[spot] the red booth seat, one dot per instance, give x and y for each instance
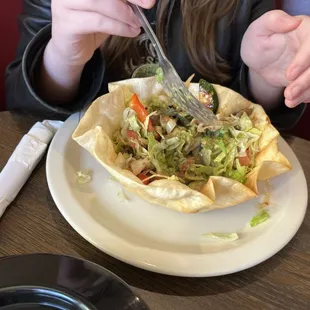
(9, 36)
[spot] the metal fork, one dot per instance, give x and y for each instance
(172, 83)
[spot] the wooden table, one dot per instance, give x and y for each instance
(33, 224)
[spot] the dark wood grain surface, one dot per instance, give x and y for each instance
(33, 224)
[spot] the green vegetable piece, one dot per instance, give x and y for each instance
(222, 146)
(184, 119)
(84, 176)
(196, 185)
(217, 133)
(198, 172)
(237, 176)
(159, 75)
(208, 95)
(146, 70)
(261, 217)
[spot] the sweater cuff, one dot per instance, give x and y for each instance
(91, 79)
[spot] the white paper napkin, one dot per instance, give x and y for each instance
(24, 159)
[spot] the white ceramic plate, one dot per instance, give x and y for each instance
(165, 241)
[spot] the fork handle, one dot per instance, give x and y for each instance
(148, 29)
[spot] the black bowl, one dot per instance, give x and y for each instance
(46, 281)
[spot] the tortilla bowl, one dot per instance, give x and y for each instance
(103, 118)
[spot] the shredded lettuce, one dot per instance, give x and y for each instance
(230, 158)
(138, 165)
(112, 178)
(218, 159)
(239, 174)
(157, 156)
(133, 123)
(123, 196)
(167, 123)
(255, 131)
(235, 175)
(206, 156)
(222, 146)
(146, 123)
(259, 218)
(245, 122)
(84, 176)
(159, 104)
(177, 145)
(151, 141)
(227, 237)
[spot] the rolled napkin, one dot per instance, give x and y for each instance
(24, 159)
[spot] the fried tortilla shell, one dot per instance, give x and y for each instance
(103, 118)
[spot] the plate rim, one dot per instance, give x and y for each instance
(144, 264)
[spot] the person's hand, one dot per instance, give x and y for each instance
(79, 27)
(298, 73)
(277, 47)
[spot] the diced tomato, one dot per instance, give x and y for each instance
(138, 107)
(154, 179)
(186, 165)
(143, 177)
(132, 134)
(180, 174)
(155, 133)
(150, 127)
(155, 119)
(166, 118)
(245, 160)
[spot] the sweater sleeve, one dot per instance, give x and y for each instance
(35, 33)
